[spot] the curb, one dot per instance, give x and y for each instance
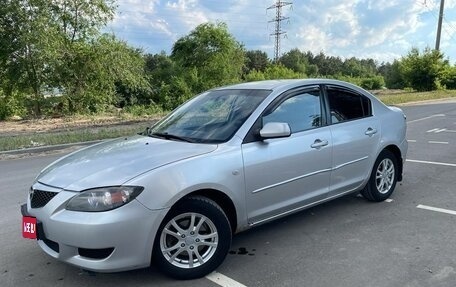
(428, 102)
(48, 148)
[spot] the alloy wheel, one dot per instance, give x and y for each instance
(385, 175)
(189, 240)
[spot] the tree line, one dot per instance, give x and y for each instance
(55, 60)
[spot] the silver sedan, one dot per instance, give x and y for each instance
(227, 160)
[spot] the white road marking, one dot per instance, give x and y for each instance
(436, 130)
(411, 141)
(435, 142)
(222, 280)
(432, 162)
(447, 211)
(422, 119)
(389, 200)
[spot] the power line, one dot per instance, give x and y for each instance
(278, 23)
(450, 34)
(451, 25)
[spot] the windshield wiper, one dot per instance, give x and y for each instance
(170, 136)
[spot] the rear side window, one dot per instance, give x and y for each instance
(347, 106)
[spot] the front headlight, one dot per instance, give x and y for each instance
(104, 198)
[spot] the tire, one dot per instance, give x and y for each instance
(186, 247)
(383, 178)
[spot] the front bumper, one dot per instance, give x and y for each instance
(115, 240)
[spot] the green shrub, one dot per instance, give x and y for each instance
(273, 72)
(368, 83)
(448, 78)
(143, 110)
(421, 70)
(12, 106)
(373, 83)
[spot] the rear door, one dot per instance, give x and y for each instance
(286, 173)
(355, 135)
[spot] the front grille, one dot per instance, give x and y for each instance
(39, 198)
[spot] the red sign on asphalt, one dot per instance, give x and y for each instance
(29, 227)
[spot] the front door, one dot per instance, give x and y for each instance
(284, 174)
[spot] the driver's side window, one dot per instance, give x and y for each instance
(301, 112)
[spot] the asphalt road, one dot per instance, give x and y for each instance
(346, 242)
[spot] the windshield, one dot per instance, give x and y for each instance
(212, 117)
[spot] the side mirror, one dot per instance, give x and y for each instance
(274, 130)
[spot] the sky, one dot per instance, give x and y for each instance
(380, 29)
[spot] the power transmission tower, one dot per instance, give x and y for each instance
(439, 26)
(278, 23)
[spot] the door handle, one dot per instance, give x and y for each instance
(370, 132)
(318, 143)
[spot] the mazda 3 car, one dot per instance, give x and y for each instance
(227, 160)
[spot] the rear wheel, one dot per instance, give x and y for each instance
(383, 177)
(193, 239)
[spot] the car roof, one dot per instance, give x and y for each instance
(286, 84)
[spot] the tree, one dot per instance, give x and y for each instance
(421, 71)
(327, 66)
(392, 75)
(104, 72)
(312, 70)
(57, 46)
(352, 67)
(273, 72)
(80, 20)
(295, 60)
(213, 53)
(157, 62)
(373, 82)
(28, 41)
(370, 66)
(88, 84)
(256, 60)
(448, 77)
(169, 82)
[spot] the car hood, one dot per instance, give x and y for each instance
(115, 162)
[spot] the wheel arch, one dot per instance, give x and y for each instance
(223, 200)
(397, 153)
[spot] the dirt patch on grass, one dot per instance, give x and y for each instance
(24, 134)
(21, 127)
(39, 153)
(384, 92)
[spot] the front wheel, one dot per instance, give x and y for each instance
(193, 239)
(383, 178)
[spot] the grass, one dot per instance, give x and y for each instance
(29, 139)
(55, 138)
(403, 97)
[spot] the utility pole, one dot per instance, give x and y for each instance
(278, 23)
(439, 26)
